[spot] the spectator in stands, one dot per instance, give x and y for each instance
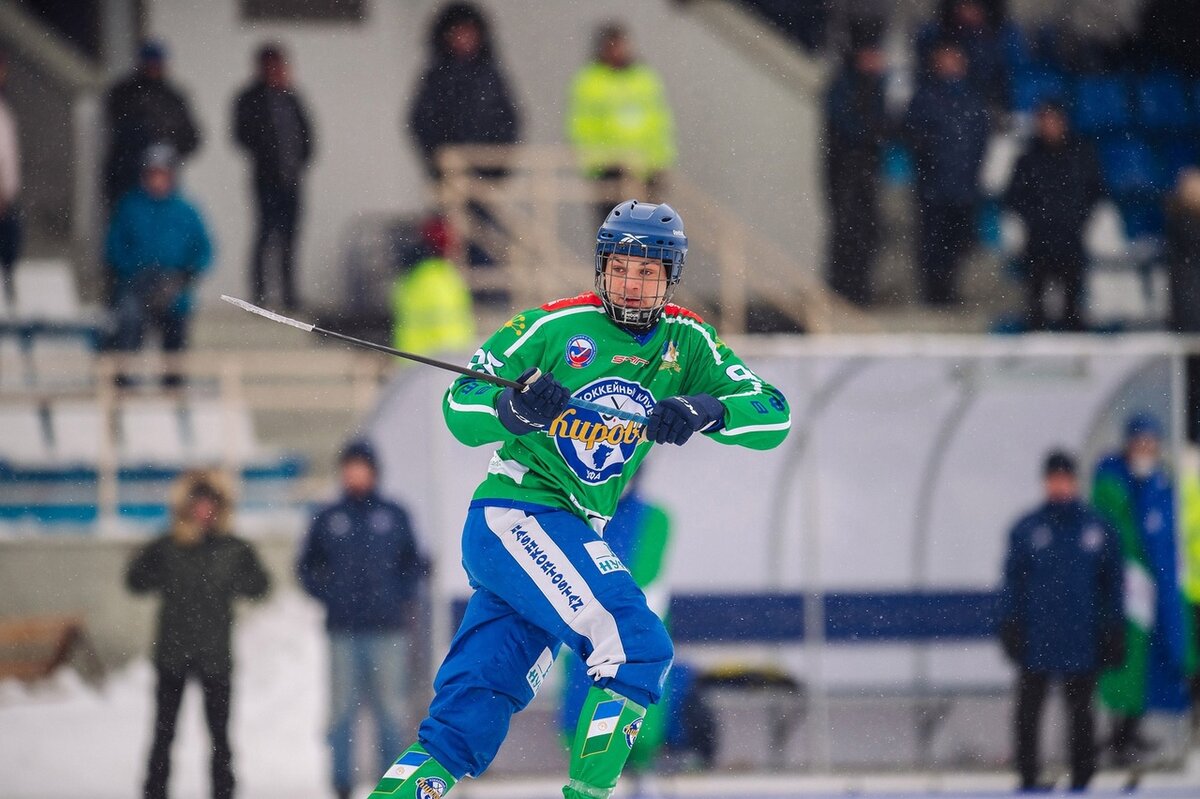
(1053, 189)
(142, 110)
(10, 185)
(856, 125)
(157, 245)
(1060, 616)
(1189, 499)
(1183, 264)
(432, 310)
(271, 124)
(360, 560)
(1133, 491)
(947, 129)
(619, 120)
(198, 568)
(463, 96)
(991, 45)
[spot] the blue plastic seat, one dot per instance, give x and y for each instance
(1101, 105)
(1130, 168)
(1162, 103)
(1033, 86)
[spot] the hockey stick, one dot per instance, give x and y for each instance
(574, 402)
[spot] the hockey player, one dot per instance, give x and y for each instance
(533, 544)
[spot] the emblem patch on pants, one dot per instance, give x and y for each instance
(431, 788)
(603, 727)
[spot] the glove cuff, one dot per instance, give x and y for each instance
(513, 421)
(711, 407)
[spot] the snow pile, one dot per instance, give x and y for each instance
(62, 738)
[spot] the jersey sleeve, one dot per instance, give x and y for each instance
(756, 413)
(470, 403)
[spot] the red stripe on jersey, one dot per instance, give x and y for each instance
(587, 298)
(678, 310)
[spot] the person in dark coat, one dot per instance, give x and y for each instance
(463, 97)
(272, 125)
(141, 110)
(1183, 264)
(198, 568)
(856, 125)
(1053, 189)
(947, 129)
(991, 44)
(1061, 616)
(361, 561)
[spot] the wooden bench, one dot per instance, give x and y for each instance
(32, 647)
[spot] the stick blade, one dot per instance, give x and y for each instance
(263, 312)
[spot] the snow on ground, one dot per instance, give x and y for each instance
(62, 738)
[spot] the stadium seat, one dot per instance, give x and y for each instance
(1130, 167)
(151, 433)
(61, 361)
(77, 429)
(1030, 87)
(1178, 154)
(1101, 105)
(1162, 103)
(220, 431)
(46, 292)
(22, 440)
(12, 363)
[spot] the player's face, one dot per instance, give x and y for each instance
(635, 282)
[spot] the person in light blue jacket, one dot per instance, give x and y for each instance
(157, 246)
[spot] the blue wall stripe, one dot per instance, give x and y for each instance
(876, 617)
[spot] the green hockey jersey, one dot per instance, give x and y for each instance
(583, 460)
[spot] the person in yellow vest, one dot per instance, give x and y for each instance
(432, 310)
(619, 119)
(1189, 486)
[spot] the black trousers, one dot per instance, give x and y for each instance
(945, 234)
(10, 249)
(168, 695)
(278, 218)
(1032, 687)
(1064, 269)
(854, 234)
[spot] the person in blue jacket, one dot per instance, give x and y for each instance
(157, 246)
(1060, 615)
(361, 561)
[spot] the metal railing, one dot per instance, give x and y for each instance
(513, 203)
(270, 381)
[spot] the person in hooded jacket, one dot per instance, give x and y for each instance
(360, 560)
(463, 96)
(1060, 616)
(198, 568)
(1135, 493)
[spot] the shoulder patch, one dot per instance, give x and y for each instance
(678, 310)
(587, 298)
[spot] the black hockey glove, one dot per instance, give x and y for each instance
(534, 407)
(675, 419)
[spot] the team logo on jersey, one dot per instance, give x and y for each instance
(670, 357)
(594, 445)
(516, 324)
(431, 788)
(631, 732)
(633, 359)
(581, 351)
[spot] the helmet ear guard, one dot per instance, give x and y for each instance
(641, 230)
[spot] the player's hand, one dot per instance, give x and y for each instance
(534, 407)
(675, 419)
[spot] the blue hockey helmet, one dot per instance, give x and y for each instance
(641, 230)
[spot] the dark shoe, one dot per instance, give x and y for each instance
(342, 793)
